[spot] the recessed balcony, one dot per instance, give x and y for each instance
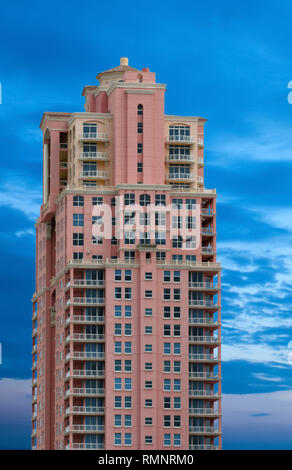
(85, 355)
(202, 303)
(204, 339)
(87, 410)
(203, 357)
(85, 283)
(208, 250)
(202, 286)
(181, 177)
(102, 156)
(84, 337)
(84, 373)
(84, 428)
(85, 301)
(180, 158)
(93, 136)
(203, 375)
(85, 446)
(94, 174)
(204, 411)
(204, 394)
(82, 319)
(85, 391)
(203, 430)
(180, 139)
(203, 321)
(203, 447)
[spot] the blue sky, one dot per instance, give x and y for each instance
(230, 63)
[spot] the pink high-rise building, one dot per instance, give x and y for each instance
(126, 317)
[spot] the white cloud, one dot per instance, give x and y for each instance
(17, 196)
(15, 402)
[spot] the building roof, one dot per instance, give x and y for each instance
(123, 67)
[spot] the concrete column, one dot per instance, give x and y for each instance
(46, 173)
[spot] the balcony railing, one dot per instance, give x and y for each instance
(208, 250)
(85, 391)
(86, 446)
(82, 319)
(181, 158)
(180, 139)
(203, 393)
(208, 211)
(200, 141)
(84, 337)
(203, 411)
(94, 136)
(94, 156)
(85, 410)
(203, 339)
(203, 447)
(203, 375)
(85, 283)
(85, 428)
(202, 303)
(202, 357)
(203, 321)
(180, 176)
(203, 430)
(84, 373)
(86, 301)
(85, 355)
(94, 174)
(202, 285)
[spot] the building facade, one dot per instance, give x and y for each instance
(126, 311)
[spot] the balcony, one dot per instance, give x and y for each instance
(203, 339)
(204, 394)
(203, 447)
(181, 177)
(200, 179)
(83, 373)
(203, 285)
(85, 355)
(93, 136)
(200, 142)
(85, 392)
(102, 156)
(208, 211)
(82, 319)
(208, 250)
(203, 411)
(207, 231)
(85, 301)
(204, 375)
(200, 161)
(85, 283)
(180, 158)
(80, 410)
(203, 357)
(84, 337)
(202, 303)
(180, 139)
(203, 430)
(94, 174)
(86, 446)
(84, 428)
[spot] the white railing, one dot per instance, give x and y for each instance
(208, 211)
(180, 138)
(203, 339)
(203, 264)
(191, 190)
(200, 141)
(203, 429)
(202, 285)
(180, 176)
(85, 373)
(203, 411)
(200, 161)
(207, 249)
(85, 428)
(84, 410)
(203, 447)
(200, 321)
(202, 357)
(93, 136)
(85, 355)
(203, 375)
(94, 174)
(181, 157)
(84, 319)
(202, 303)
(84, 337)
(87, 446)
(86, 391)
(203, 393)
(85, 283)
(93, 156)
(86, 301)
(107, 261)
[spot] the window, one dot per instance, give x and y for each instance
(176, 294)
(179, 133)
(166, 312)
(118, 347)
(144, 218)
(78, 201)
(177, 242)
(148, 403)
(191, 221)
(128, 421)
(78, 239)
(148, 348)
(191, 258)
(160, 256)
(128, 293)
(176, 421)
(118, 439)
(128, 438)
(118, 402)
(129, 198)
(160, 238)
(129, 255)
(144, 238)
(118, 420)
(166, 385)
(176, 367)
(166, 276)
(166, 440)
(148, 294)
(191, 204)
(148, 366)
(89, 129)
(166, 294)
(144, 200)
(118, 274)
(176, 221)
(148, 439)
(128, 383)
(128, 311)
(177, 204)
(176, 348)
(166, 330)
(78, 220)
(128, 275)
(118, 365)
(139, 167)
(128, 329)
(118, 384)
(148, 421)
(118, 310)
(177, 403)
(118, 293)
(129, 218)
(160, 218)
(97, 240)
(139, 148)
(166, 403)
(113, 201)
(97, 201)
(166, 367)
(148, 276)
(77, 255)
(118, 329)
(148, 312)
(176, 440)
(140, 127)
(176, 330)
(128, 365)
(128, 402)
(129, 238)
(191, 242)
(140, 109)
(160, 200)
(128, 347)
(148, 384)
(166, 348)
(177, 385)
(176, 312)
(176, 276)
(148, 330)
(166, 421)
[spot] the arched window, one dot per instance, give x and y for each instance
(140, 109)
(89, 129)
(140, 78)
(179, 133)
(144, 200)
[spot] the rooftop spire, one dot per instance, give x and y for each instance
(124, 61)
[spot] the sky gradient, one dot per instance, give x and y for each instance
(226, 62)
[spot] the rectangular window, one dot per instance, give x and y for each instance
(128, 435)
(97, 201)
(176, 294)
(176, 440)
(139, 167)
(128, 275)
(148, 312)
(78, 220)
(166, 276)
(97, 240)
(128, 293)
(118, 293)
(128, 383)
(166, 348)
(139, 127)
(78, 239)
(128, 347)
(118, 402)
(118, 311)
(128, 311)
(148, 403)
(166, 312)
(148, 348)
(128, 365)
(176, 330)
(129, 218)
(148, 384)
(129, 199)
(177, 403)
(148, 294)
(177, 204)
(148, 421)
(78, 201)
(128, 402)
(118, 329)
(128, 421)
(148, 366)
(160, 238)
(77, 255)
(166, 439)
(166, 367)
(148, 440)
(118, 365)
(128, 329)
(176, 348)
(191, 221)
(191, 204)
(139, 148)
(176, 312)
(166, 294)
(176, 367)
(160, 200)
(118, 383)
(176, 421)
(160, 218)
(160, 256)
(118, 439)
(166, 330)
(166, 403)
(118, 347)
(148, 330)
(118, 275)
(166, 421)
(148, 276)
(177, 385)
(176, 276)
(166, 385)
(118, 420)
